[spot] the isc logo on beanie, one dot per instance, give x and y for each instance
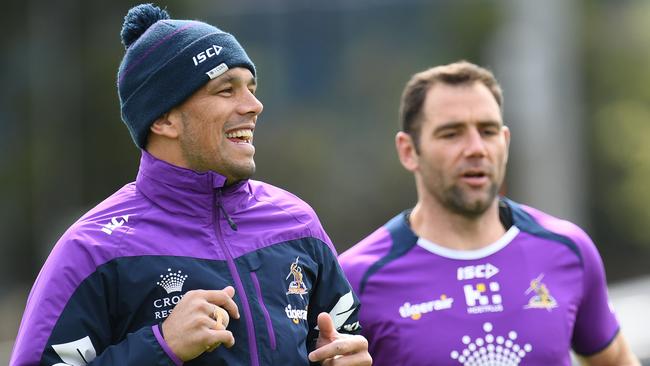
(210, 52)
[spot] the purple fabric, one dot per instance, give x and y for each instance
(424, 308)
(165, 346)
(250, 327)
(267, 316)
(149, 213)
(362, 256)
(595, 323)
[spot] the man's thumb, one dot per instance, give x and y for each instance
(326, 325)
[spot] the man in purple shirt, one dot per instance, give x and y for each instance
(467, 277)
(193, 254)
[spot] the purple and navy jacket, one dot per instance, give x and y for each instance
(117, 273)
(526, 299)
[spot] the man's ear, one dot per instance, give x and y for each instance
(406, 152)
(168, 125)
(506, 135)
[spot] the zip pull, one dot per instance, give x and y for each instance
(230, 222)
(225, 214)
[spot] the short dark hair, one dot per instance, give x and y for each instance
(457, 73)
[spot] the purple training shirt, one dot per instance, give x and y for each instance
(526, 299)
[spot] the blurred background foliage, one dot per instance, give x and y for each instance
(330, 77)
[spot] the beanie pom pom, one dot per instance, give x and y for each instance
(138, 20)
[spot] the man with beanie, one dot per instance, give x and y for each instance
(193, 263)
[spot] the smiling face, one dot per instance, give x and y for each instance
(463, 148)
(216, 124)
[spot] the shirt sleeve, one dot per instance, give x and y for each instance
(596, 324)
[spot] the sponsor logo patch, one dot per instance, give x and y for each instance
(297, 285)
(209, 52)
(483, 298)
(115, 223)
(479, 271)
(171, 282)
(415, 311)
(296, 315)
(491, 350)
(542, 298)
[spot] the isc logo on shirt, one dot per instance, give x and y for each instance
(479, 271)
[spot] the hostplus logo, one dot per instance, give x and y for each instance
(483, 298)
(491, 350)
(171, 282)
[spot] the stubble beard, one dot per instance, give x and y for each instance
(458, 201)
(238, 172)
(201, 159)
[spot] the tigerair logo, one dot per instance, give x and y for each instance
(171, 282)
(491, 350)
(297, 285)
(415, 311)
(296, 315)
(542, 298)
(115, 223)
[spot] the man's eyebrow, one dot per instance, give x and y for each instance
(449, 125)
(459, 124)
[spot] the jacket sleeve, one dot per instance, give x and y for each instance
(334, 295)
(70, 318)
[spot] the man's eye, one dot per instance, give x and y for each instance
(448, 135)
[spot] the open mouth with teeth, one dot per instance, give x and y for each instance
(243, 136)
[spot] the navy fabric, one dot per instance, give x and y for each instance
(526, 223)
(119, 303)
(403, 240)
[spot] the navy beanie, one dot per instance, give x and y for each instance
(166, 61)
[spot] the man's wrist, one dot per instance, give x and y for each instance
(158, 333)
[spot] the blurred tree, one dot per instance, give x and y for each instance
(617, 50)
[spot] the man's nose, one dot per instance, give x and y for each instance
(250, 104)
(475, 144)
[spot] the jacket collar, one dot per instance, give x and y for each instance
(185, 191)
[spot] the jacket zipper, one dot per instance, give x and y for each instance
(239, 286)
